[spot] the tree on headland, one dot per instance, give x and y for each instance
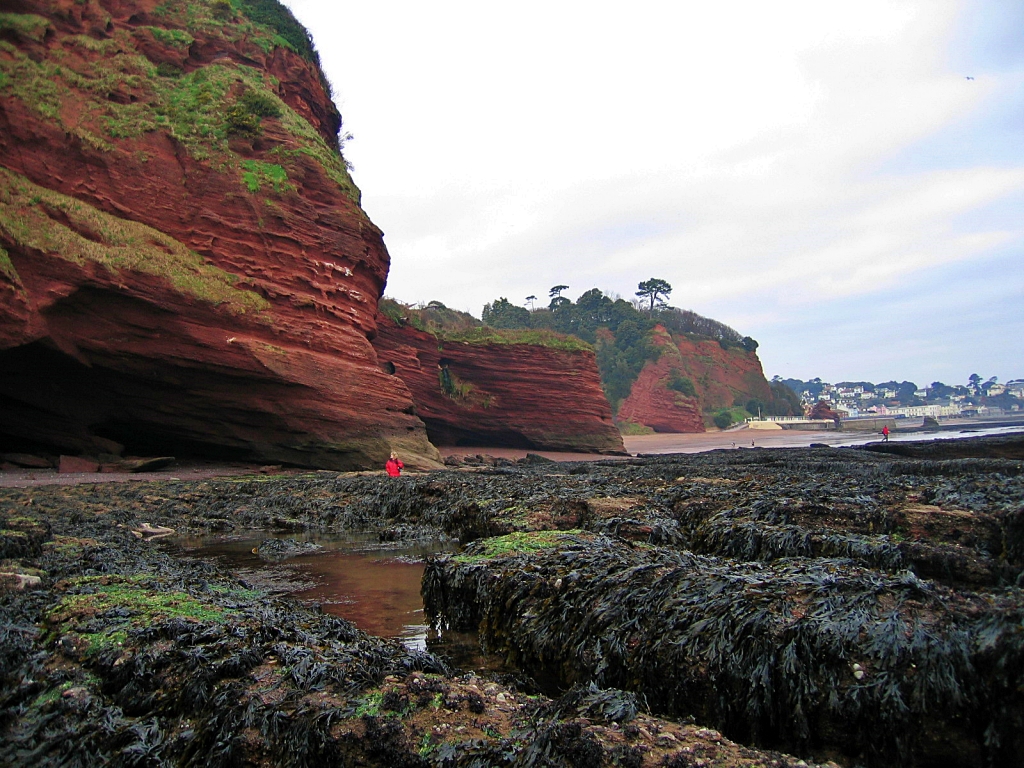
(785, 402)
(653, 290)
(621, 333)
(723, 419)
(530, 300)
(594, 308)
(904, 391)
(557, 299)
(504, 314)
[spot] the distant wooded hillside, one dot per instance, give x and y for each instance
(621, 333)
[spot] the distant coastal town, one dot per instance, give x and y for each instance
(905, 399)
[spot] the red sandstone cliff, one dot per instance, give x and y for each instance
(719, 376)
(175, 271)
(518, 395)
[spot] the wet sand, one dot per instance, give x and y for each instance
(27, 478)
(641, 445)
(682, 443)
(742, 438)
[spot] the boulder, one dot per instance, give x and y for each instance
(26, 460)
(76, 464)
(146, 465)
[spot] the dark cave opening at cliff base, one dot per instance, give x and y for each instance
(443, 433)
(51, 403)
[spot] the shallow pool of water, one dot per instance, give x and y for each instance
(375, 586)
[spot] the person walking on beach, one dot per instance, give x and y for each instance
(394, 465)
(885, 433)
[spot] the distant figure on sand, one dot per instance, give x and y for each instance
(885, 433)
(394, 465)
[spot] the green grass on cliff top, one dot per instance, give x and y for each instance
(487, 335)
(267, 23)
(126, 96)
(34, 219)
(446, 324)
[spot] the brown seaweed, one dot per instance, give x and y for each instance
(838, 603)
(799, 654)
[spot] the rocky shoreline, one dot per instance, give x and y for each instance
(719, 609)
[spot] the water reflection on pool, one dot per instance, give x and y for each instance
(375, 586)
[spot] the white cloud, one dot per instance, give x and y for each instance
(767, 160)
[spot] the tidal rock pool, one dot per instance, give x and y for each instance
(374, 585)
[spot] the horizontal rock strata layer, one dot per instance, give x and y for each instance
(516, 395)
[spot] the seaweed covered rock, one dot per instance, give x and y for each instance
(953, 521)
(989, 447)
(797, 654)
(22, 536)
(878, 523)
(148, 658)
(125, 655)
(275, 550)
(826, 579)
(959, 522)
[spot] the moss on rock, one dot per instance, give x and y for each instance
(36, 220)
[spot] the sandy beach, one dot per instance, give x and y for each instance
(682, 443)
(744, 438)
(25, 478)
(639, 445)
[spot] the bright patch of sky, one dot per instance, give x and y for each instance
(843, 182)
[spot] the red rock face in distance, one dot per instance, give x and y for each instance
(719, 377)
(163, 293)
(518, 395)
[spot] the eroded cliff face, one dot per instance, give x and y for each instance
(184, 264)
(719, 378)
(516, 395)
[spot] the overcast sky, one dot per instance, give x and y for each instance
(843, 182)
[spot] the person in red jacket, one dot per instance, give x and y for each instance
(394, 465)
(885, 433)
